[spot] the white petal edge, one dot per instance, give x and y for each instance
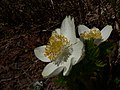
(67, 66)
(106, 31)
(98, 41)
(82, 29)
(39, 53)
(77, 52)
(56, 31)
(68, 29)
(51, 70)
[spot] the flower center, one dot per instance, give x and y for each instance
(94, 33)
(57, 46)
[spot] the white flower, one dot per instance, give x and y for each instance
(95, 33)
(62, 51)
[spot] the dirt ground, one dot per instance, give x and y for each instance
(26, 24)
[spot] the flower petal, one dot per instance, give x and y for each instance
(97, 41)
(51, 70)
(39, 53)
(56, 31)
(106, 31)
(82, 29)
(68, 29)
(78, 50)
(67, 66)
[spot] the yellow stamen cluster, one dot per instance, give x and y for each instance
(55, 46)
(94, 33)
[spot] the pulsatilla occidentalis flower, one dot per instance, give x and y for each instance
(62, 51)
(95, 33)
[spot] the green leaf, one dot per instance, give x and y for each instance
(100, 64)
